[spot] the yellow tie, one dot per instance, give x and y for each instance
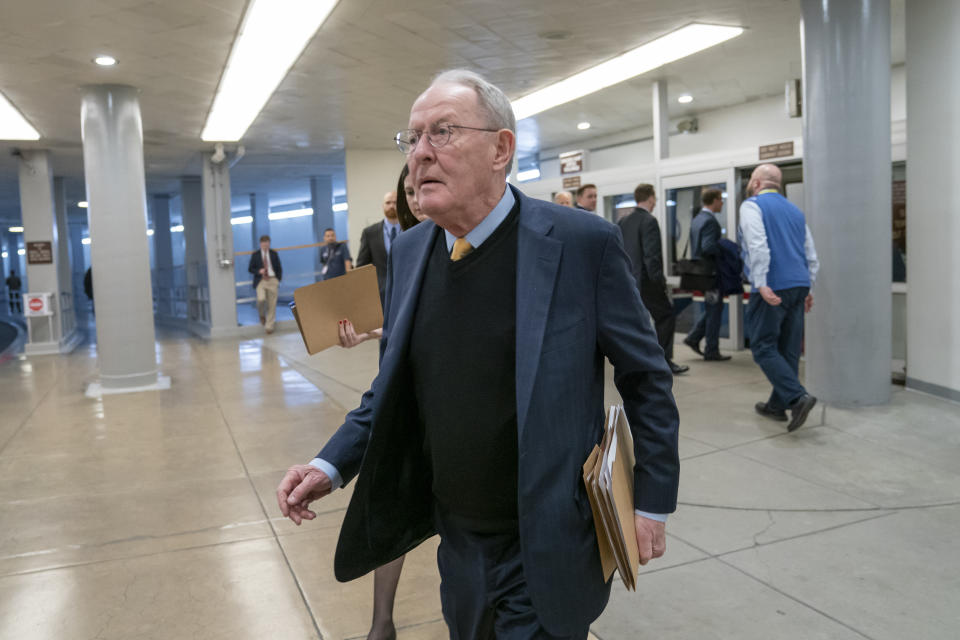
(460, 248)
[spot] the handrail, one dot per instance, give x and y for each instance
(299, 246)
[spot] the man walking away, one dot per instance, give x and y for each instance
(781, 263)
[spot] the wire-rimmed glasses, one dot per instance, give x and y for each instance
(438, 136)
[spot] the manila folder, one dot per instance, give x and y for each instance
(354, 296)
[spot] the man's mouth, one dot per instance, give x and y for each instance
(428, 181)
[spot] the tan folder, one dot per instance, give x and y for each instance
(608, 477)
(354, 296)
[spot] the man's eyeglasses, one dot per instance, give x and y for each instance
(438, 136)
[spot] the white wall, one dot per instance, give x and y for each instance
(370, 174)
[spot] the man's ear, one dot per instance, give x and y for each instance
(506, 144)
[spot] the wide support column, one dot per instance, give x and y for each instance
(38, 212)
(847, 182)
(321, 200)
(119, 253)
(219, 244)
(163, 255)
(933, 229)
(370, 174)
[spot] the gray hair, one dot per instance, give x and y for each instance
(493, 102)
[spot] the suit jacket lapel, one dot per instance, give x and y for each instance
(408, 294)
(538, 260)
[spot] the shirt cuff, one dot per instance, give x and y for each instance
(659, 517)
(331, 471)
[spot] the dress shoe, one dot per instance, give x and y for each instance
(693, 345)
(263, 320)
(716, 357)
(677, 369)
(799, 410)
(767, 412)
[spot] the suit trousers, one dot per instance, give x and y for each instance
(708, 325)
(267, 301)
(658, 303)
(483, 591)
(776, 339)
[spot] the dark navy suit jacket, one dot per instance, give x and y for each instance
(577, 302)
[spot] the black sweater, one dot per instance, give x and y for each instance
(463, 360)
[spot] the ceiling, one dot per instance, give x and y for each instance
(355, 82)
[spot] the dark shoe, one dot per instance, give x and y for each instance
(263, 320)
(767, 412)
(799, 410)
(693, 345)
(677, 369)
(716, 357)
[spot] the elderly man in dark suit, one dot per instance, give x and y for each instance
(641, 239)
(376, 241)
(500, 312)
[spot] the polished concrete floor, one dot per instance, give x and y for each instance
(152, 515)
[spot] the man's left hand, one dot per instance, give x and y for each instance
(651, 538)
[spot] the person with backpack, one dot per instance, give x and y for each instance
(705, 236)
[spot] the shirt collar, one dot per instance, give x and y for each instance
(768, 191)
(485, 229)
(387, 225)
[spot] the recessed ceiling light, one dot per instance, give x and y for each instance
(685, 99)
(583, 126)
(15, 229)
(669, 48)
(105, 61)
(83, 204)
(13, 126)
(272, 36)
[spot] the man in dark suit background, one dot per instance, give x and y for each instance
(377, 240)
(641, 240)
(705, 234)
(267, 274)
(500, 311)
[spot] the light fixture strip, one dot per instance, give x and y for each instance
(272, 36)
(664, 50)
(13, 126)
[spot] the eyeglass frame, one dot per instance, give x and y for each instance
(428, 136)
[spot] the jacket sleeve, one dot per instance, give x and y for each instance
(652, 249)
(709, 238)
(626, 336)
(363, 256)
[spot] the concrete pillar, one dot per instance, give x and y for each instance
(370, 174)
(321, 200)
(163, 254)
(661, 121)
(219, 243)
(846, 165)
(933, 231)
(79, 269)
(113, 166)
(194, 255)
(37, 209)
(260, 212)
(68, 320)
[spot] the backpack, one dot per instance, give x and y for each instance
(729, 268)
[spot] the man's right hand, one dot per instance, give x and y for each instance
(263, 271)
(302, 484)
(769, 296)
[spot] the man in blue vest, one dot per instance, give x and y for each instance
(781, 262)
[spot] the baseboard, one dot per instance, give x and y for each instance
(933, 389)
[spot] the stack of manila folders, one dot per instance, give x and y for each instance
(608, 477)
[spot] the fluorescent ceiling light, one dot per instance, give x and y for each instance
(83, 204)
(528, 175)
(685, 99)
(296, 213)
(149, 232)
(627, 204)
(3, 255)
(669, 48)
(583, 126)
(85, 241)
(340, 207)
(177, 228)
(105, 61)
(13, 126)
(272, 36)
(15, 229)
(21, 252)
(241, 220)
